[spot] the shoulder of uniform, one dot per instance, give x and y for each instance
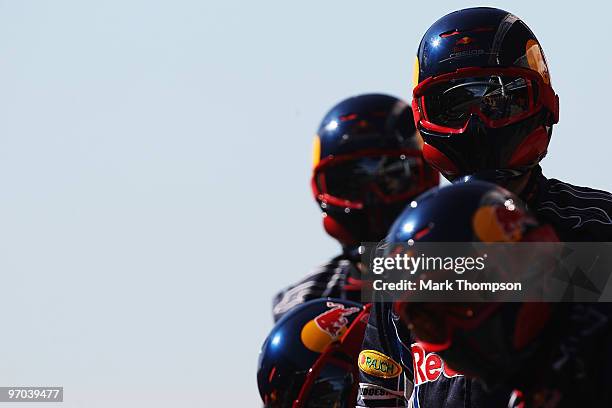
(570, 191)
(312, 286)
(576, 208)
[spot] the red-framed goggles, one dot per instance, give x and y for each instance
(498, 96)
(370, 177)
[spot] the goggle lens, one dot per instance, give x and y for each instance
(367, 179)
(453, 102)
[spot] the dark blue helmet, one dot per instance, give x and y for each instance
(309, 359)
(482, 99)
(367, 166)
(474, 211)
(478, 339)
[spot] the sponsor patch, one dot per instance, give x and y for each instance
(376, 392)
(377, 364)
(429, 367)
(466, 47)
(464, 41)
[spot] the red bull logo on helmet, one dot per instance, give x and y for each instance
(334, 320)
(499, 223)
(429, 367)
(327, 327)
(464, 41)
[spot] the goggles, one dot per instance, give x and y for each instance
(433, 324)
(377, 176)
(498, 96)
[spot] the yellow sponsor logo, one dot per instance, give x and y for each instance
(377, 364)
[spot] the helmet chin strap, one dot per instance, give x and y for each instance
(497, 175)
(506, 177)
(339, 232)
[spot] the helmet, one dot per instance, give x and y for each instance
(478, 339)
(308, 360)
(472, 211)
(482, 98)
(367, 166)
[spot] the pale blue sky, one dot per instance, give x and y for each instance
(154, 168)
